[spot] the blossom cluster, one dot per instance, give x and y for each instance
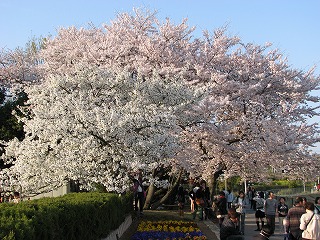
(169, 230)
(144, 94)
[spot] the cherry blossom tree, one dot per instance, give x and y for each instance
(144, 93)
(17, 68)
(96, 126)
(20, 66)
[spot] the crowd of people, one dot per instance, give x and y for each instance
(302, 221)
(11, 197)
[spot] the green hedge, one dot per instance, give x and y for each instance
(72, 216)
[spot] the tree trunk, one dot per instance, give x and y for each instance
(216, 175)
(150, 192)
(213, 182)
(211, 185)
(169, 193)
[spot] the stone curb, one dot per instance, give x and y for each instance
(116, 234)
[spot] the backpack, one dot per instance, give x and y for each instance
(259, 203)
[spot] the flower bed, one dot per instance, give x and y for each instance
(168, 230)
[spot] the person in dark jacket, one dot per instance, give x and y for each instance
(230, 227)
(206, 198)
(221, 205)
(138, 190)
(181, 200)
(292, 220)
(282, 212)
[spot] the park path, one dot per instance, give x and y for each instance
(208, 227)
(250, 226)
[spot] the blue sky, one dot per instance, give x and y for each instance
(291, 25)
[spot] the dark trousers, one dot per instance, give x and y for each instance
(139, 197)
(296, 235)
(235, 237)
(271, 221)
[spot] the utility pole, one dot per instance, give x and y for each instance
(245, 185)
(225, 184)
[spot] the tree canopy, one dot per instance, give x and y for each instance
(141, 93)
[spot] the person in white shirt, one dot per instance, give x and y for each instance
(241, 203)
(310, 223)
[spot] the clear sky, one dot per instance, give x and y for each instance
(293, 26)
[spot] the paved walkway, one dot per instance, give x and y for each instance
(250, 226)
(209, 228)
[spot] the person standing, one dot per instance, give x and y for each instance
(260, 214)
(254, 194)
(192, 197)
(241, 203)
(199, 202)
(221, 204)
(230, 198)
(310, 223)
(206, 198)
(292, 221)
(282, 212)
(250, 196)
(139, 193)
(271, 210)
(181, 200)
(304, 201)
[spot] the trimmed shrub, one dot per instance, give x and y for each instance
(72, 216)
